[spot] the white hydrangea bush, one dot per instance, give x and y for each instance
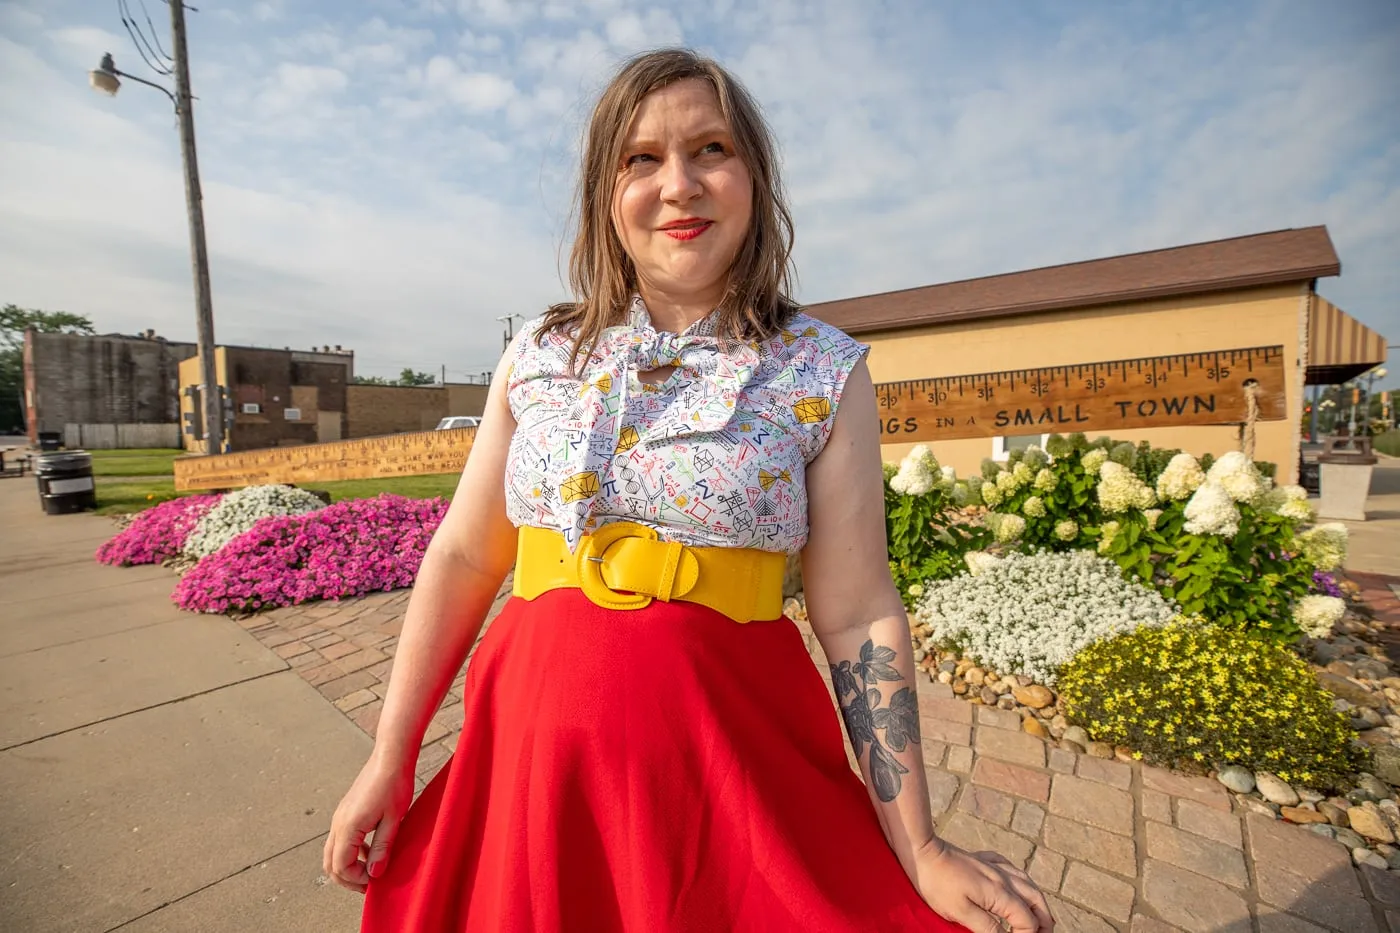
(1316, 615)
(1182, 476)
(1325, 545)
(239, 511)
(1031, 614)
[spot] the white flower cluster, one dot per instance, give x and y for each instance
(239, 511)
(1325, 546)
(992, 494)
(1031, 614)
(1045, 480)
(1182, 477)
(1316, 615)
(1151, 515)
(1212, 511)
(916, 473)
(1288, 502)
(1033, 507)
(1093, 459)
(1119, 489)
(1067, 530)
(1006, 527)
(978, 561)
(1108, 531)
(1239, 477)
(1035, 458)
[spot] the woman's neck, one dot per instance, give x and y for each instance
(675, 313)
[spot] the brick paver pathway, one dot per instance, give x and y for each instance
(1117, 846)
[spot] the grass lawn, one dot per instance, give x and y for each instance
(151, 462)
(1387, 443)
(116, 497)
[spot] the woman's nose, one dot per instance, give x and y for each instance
(680, 181)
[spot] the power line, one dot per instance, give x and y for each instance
(155, 35)
(138, 38)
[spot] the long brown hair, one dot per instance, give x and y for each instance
(603, 279)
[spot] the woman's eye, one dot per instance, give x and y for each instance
(714, 147)
(640, 157)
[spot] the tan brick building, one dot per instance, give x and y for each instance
(1251, 291)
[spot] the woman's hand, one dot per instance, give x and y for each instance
(982, 891)
(376, 802)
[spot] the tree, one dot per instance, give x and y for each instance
(410, 378)
(369, 381)
(14, 321)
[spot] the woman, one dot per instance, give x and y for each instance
(647, 745)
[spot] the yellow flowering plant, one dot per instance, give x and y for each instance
(1197, 694)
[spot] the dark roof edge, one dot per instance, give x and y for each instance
(1310, 274)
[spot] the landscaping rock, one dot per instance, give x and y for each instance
(1074, 747)
(1001, 688)
(1374, 786)
(1366, 718)
(1006, 703)
(1308, 795)
(960, 687)
(1035, 727)
(1035, 696)
(948, 667)
(1355, 694)
(1364, 856)
(944, 677)
(1275, 790)
(1349, 838)
(1240, 780)
(1261, 807)
(1023, 681)
(1387, 764)
(989, 696)
(1368, 820)
(1078, 736)
(1323, 830)
(1100, 749)
(1300, 815)
(1335, 815)
(1124, 754)
(975, 676)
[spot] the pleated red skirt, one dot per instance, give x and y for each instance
(647, 771)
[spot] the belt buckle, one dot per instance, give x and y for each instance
(593, 551)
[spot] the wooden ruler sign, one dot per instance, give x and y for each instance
(417, 454)
(1146, 392)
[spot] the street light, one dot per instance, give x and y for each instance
(107, 79)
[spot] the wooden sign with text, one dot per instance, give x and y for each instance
(1147, 392)
(416, 454)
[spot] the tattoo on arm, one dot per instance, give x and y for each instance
(864, 714)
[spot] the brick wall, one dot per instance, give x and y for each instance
(78, 379)
(376, 410)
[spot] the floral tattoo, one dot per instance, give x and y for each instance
(864, 714)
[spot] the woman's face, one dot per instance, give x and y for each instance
(684, 198)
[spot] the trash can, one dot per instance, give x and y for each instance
(65, 482)
(50, 440)
(1345, 465)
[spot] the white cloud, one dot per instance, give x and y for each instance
(394, 176)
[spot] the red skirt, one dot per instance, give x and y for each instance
(646, 771)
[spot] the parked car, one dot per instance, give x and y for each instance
(457, 421)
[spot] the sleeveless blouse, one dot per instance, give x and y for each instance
(712, 456)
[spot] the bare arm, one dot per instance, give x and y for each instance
(860, 621)
(469, 556)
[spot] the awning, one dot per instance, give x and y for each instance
(1339, 346)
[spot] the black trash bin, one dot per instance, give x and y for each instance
(50, 440)
(65, 482)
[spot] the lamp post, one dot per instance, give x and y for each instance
(107, 78)
(509, 321)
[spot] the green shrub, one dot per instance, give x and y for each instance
(926, 542)
(1204, 695)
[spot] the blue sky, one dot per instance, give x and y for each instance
(394, 176)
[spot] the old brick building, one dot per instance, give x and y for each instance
(376, 410)
(99, 386)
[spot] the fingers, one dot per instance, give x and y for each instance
(1027, 891)
(384, 835)
(342, 859)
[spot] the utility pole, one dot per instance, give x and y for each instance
(199, 253)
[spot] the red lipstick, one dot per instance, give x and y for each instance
(687, 228)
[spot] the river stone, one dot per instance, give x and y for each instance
(1364, 856)
(1035, 696)
(960, 687)
(1276, 790)
(1078, 736)
(1308, 795)
(975, 676)
(989, 696)
(1001, 688)
(1366, 718)
(950, 666)
(1322, 829)
(1370, 822)
(1374, 786)
(1035, 727)
(1238, 779)
(1345, 689)
(945, 677)
(1006, 702)
(1349, 838)
(1261, 807)
(1300, 815)
(1335, 814)
(1387, 764)
(1100, 749)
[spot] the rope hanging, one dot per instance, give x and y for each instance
(1251, 400)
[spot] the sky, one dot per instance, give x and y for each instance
(392, 176)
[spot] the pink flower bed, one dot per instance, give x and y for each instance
(157, 534)
(347, 549)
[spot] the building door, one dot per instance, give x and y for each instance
(327, 426)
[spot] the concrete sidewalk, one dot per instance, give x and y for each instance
(161, 771)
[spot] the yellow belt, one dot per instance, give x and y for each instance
(626, 566)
